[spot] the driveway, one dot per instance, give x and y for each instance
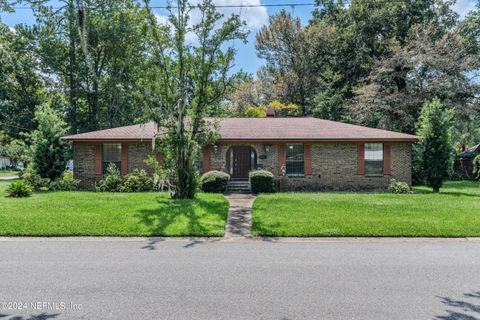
(241, 279)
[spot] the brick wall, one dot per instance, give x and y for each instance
(84, 162)
(334, 166)
(84, 165)
(137, 154)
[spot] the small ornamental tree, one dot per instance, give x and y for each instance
(49, 152)
(16, 151)
(190, 76)
(255, 112)
(435, 145)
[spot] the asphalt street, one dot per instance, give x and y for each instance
(241, 279)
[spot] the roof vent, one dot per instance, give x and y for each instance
(270, 112)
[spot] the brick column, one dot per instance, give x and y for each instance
(361, 160)
(387, 159)
(124, 158)
(98, 159)
(307, 159)
(281, 158)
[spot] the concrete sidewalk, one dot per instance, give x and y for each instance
(239, 222)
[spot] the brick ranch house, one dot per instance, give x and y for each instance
(311, 153)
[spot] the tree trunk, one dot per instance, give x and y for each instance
(436, 189)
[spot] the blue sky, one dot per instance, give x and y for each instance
(255, 18)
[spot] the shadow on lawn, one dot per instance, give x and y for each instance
(452, 193)
(463, 310)
(169, 211)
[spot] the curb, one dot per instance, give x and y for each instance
(244, 239)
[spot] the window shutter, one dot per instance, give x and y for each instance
(124, 159)
(387, 159)
(98, 159)
(206, 158)
(281, 158)
(361, 159)
(307, 158)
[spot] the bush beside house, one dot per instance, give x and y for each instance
(137, 181)
(262, 181)
(214, 181)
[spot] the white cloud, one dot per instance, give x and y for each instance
(254, 17)
(462, 7)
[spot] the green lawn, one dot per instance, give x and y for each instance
(8, 173)
(455, 212)
(111, 214)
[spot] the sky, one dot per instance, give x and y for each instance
(255, 18)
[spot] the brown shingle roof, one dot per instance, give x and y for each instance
(261, 129)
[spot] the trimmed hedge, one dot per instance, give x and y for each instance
(214, 181)
(262, 181)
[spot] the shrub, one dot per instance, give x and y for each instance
(19, 189)
(49, 151)
(112, 182)
(262, 181)
(258, 112)
(214, 181)
(65, 183)
(435, 143)
(398, 187)
(35, 181)
(137, 181)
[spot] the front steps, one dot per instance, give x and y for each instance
(239, 186)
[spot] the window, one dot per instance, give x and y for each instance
(294, 160)
(374, 159)
(112, 153)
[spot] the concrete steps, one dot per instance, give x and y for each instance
(239, 186)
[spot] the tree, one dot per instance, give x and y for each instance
(186, 83)
(243, 97)
(21, 89)
(96, 52)
(255, 112)
(284, 110)
(426, 66)
(5, 6)
(17, 151)
(49, 156)
(435, 145)
(293, 56)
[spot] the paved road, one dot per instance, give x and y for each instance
(345, 279)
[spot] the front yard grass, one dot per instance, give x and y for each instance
(9, 173)
(455, 212)
(80, 213)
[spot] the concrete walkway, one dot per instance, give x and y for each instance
(239, 222)
(8, 178)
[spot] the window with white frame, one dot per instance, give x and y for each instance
(112, 153)
(294, 160)
(374, 159)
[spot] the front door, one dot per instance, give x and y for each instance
(242, 161)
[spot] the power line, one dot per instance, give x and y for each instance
(217, 6)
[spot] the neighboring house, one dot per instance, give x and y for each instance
(312, 154)
(4, 163)
(463, 164)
